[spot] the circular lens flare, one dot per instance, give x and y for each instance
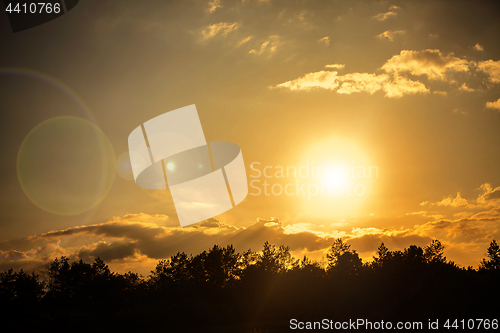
(123, 166)
(66, 165)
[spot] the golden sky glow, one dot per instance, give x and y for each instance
(405, 90)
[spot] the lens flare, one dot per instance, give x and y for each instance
(52, 81)
(123, 167)
(66, 165)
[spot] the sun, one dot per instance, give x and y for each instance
(335, 178)
(340, 166)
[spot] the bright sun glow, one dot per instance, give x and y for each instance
(342, 171)
(335, 178)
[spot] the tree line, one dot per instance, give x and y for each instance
(226, 291)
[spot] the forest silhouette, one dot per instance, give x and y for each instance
(221, 290)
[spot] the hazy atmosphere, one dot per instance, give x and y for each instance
(399, 101)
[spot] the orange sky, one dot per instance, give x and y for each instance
(408, 88)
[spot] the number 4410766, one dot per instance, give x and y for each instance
(472, 324)
(34, 8)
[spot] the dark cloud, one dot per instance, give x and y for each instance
(118, 240)
(11, 255)
(107, 252)
(122, 241)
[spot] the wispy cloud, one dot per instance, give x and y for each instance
(244, 40)
(384, 16)
(490, 196)
(324, 40)
(339, 66)
(222, 28)
(390, 34)
(321, 79)
(270, 45)
(213, 5)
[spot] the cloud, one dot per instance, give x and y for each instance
(118, 240)
(453, 202)
(12, 255)
(324, 40)
(449, 201)
(493, 213)
(489, 196)
(400, 86)
(471, 232)
(491, 68)
(493, 105)
(244, 40)
(107, 251)
(432, 63)
(464, 87)
(471, 227)
(426, 214)
(390, 34)
(384, 16)
(493, 195)
(213, 5)
(270, 45)
(322, 79)
(339, 66)
(137, 241)
(356, 82)
(478, 47)
(122, 243)
(222, 28)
